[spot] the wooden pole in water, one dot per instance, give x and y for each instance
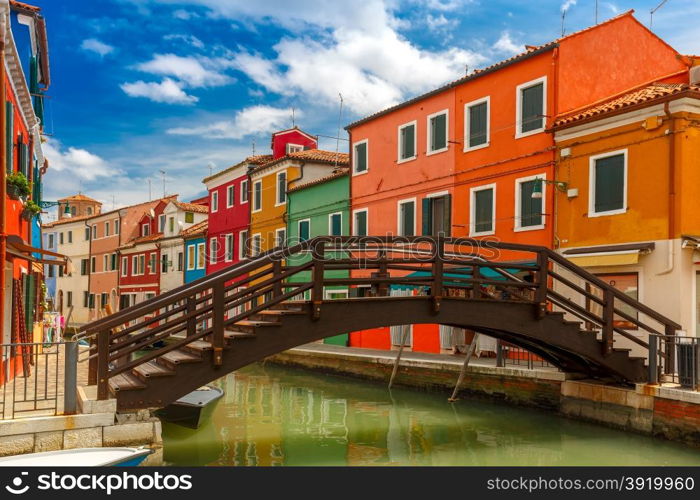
(404, 337)
(463, 371)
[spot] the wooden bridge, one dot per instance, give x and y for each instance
(529, 296)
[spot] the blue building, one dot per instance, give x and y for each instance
(195, 260)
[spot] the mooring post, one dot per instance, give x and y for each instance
(463, 371)
(653, 359)
(102, 364)
(70, 372)
(404, 338)
(438, 265)
(218, 323)
(317, 254)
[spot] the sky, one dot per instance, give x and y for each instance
(141, 87)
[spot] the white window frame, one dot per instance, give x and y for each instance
(105, 263)
(214, 201)
(591, 183)
(135, 265)
(279, 203)
(288, 148)
(244, 191)
(228, 247)
(327, 292)
(261, 196)
(191, 263)
(125, 266)
(201, 250)
(415, 142)
(429, 151)
(472, 210)
(255, 252)
(518, 107)
(518, 198)
(230, 195)
(354, 157)
(471, 104)
(330, 223)
(399, 226)
(117, 227)
(213, 250)
(242, 244)
(299, 228)
(107, 227)
(277, 235)
(148, 226)
(161, 223)
(354, 220)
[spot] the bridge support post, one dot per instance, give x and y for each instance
(92, 363)
(276, 271)
(653, 359)
(463, 371)
(103, 364)
(218, 323)
(542, 284)
(438, 265)
(192, 320)
(670, 350)
(608, 318)
(317, 254)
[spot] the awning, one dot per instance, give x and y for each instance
(466, 273)
(18, 248)
(609, 255)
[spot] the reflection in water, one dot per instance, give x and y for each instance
(278, 416)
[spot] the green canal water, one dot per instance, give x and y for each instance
(280, 416)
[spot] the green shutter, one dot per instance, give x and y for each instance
(427, 224)
(447, 214)
(304, 230)
(532, 107)
(530, 209)
(483, 211)
(408, 142)
(610, 183)
(361, 223)
(478, 115)
(407, 218)
(336, 225)
(361, 157)
(9, 135)
(438, 132)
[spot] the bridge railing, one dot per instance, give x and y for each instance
(443, 268)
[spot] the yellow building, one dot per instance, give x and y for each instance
(627, 206)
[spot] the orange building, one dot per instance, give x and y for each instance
(473, 173)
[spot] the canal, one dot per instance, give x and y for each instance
(281, 416)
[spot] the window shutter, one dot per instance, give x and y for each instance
(530, 209)
(361, 157)
(439, 132)
(532, 107)
(609, 183)
(477, 124)
(9, 134)
(407, 218)
(427, 223)
(483, 212)
(407, 142)
(336, 228)
(447, 214)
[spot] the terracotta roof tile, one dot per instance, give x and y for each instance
(192, 207)
(22, 5)
(143, 239)
(67, 220)
(310, 155)
(79, 197)
(195, 230)
(341, 173)
(251, 160)
(644, 95)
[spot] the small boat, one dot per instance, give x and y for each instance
(80, 457)
(192, 409)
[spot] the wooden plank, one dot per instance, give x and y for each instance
(125, 382)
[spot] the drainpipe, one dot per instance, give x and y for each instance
(671, 132)
(3, 168)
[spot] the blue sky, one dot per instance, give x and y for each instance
(140, 86)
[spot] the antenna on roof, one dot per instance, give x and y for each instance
(564, 9)
(253, 146)
(162, 173)
(653, 11)
(466, 69)
(337, 137)
(293, 122)
(211, 166)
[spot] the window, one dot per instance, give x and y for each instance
(135, 265)
(627, 283)
(256, 245)
(228, 247)
(244, 191)
(280, 237)
(608, 184)
(60, 238)
(180, 256)
(87, 234)
(60, 271)
(360, 222)
(437, 214)
(73, 211)
(304, 229)
(145, 229)
(69, 299)
(89, 210)
(281, 188)
(335, 224)
(294, 148)
(152, 263)
(142, 264)
(125, 266)
(476, 124)
(51, 271)
(531, 107)
(407, 218)
(171, 225)
(257, 196)
(214, 201)
(116, 226)
(164, 264)
(86, 299)
(93, 264)
(407, 142)
(107, 228)
(189, 217)
(360, 165)
(70, 236)
(94, 231)
(51, 240)
(213, 249)
(200, 256)
(113, 259)
(105, 262)
(191, 249)
(528, 210)
(242, 244)
(91, 301)
(437, 132)
(230, 196)
(161, 223)
(482, 211)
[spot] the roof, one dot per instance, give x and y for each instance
(67, 220)
(310, 155)
(195, 230)
(80, 197)
(639, 98)
(340, 173)
(530, 52)
(293, 129)
(143, 239)
(251, 160)
(192, 207)
(24, 6)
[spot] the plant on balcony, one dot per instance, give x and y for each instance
(17, 186)
(30, 210)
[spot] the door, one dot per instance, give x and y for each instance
(437, 215)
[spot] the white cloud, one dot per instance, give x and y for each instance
(96, 46)
(193, 71)
(188, 39)
(76, 162)
(439, 22)
(167, 91)
(184, 15)
(506, 45)
(249, 121)
(567, 4)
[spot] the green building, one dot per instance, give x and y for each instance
(320, 208)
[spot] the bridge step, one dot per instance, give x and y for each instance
(234, 335)
(152, 369)
(272, 314)
(198, 346)
(248, 326)
(173, 358)
(125, 382)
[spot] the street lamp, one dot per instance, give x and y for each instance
(537, 188)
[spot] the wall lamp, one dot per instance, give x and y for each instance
(537, 188)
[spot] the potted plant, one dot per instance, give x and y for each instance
(30, 210)
(17, 186)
